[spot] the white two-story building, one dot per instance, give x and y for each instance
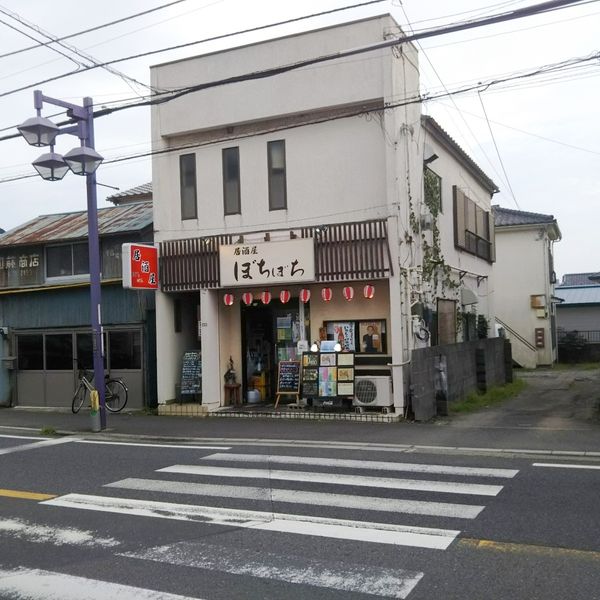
(301, 200)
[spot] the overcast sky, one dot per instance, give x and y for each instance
(540, 142)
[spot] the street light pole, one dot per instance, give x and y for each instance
(38, 131)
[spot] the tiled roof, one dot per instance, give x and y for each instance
(505, 217)
(444, 138)
(142, 192)
(581, 279)
(134, 216)
(589, 294)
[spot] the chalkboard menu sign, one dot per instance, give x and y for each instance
(288, 377)
(191, 373)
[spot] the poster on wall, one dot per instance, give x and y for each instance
(371, 335)
(327, 375)
(343, 332)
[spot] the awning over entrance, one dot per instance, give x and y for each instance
(343, 252)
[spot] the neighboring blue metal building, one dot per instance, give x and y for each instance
(45, 306)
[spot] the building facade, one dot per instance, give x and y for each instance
(296, 208)
(45, 308)
(525, 281)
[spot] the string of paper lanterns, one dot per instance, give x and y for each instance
(304, 295)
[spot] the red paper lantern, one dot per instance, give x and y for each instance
(369, 291)
(304, 296)
(265, 297)
(228, 299)
(247, 298)
(326, 294)
(284, 296)
(348, 292)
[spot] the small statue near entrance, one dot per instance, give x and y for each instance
(230, 375)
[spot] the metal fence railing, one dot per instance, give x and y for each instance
(589, 337)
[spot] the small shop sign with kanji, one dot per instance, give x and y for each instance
(276, 262)
(140, 266)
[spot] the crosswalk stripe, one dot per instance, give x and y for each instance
(37, 584)
(382, 533)
(450, 487)
(364, 464)
(373, 503)
(57, 536)
(356, 578)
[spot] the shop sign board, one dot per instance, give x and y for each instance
(191, 373)
(288, 261)
(140, 266)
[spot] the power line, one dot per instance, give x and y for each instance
(450, 96)
(53, 39)
(91, 29)
(535, 135)
(512, 193)
(533, 10)
(203, 41)
(418, 98)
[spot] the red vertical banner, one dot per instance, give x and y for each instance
(140, 266)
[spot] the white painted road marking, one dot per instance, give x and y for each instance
(355, 578)
(36, 445)
(372, 503)
(449, 487)
(562, 466)
(36, 584)
(57, 536)
(365, 464)
(22, 437)
(382, 533)
(145, 445)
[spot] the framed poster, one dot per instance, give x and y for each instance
(345, 388)
(345, 374)
(343, 332)
(328, 359)
(372, 336)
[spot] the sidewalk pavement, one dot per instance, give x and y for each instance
(558, 412)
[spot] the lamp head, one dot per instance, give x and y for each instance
(83, 160)
(39, 131)
(51, 166)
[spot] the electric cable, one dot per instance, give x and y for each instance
(91, 29)
(536, 9)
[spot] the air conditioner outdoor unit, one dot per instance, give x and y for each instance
(373, 391)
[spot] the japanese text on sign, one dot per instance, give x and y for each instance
(271, 262)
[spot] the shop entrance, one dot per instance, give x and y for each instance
(270, 333)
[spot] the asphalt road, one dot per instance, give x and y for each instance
(91, 519)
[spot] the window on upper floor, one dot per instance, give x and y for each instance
(473, 227)
(231, 181)
(187, 184)
(432, 184)
(277, 180)
(67, 260)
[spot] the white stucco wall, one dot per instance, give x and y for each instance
(331, 83)
(522, 271)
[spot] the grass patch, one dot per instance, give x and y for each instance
(48, 431)
(493, 396)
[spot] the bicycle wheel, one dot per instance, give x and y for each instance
(79, 398)
(115, 395)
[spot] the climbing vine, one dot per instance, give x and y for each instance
(435, 269)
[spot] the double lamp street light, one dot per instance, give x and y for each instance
(84, 160)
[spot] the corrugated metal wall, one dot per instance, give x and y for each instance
(70, 307)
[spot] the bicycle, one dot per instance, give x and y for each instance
(115, 391)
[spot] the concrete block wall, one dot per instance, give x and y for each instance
(432, 393)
